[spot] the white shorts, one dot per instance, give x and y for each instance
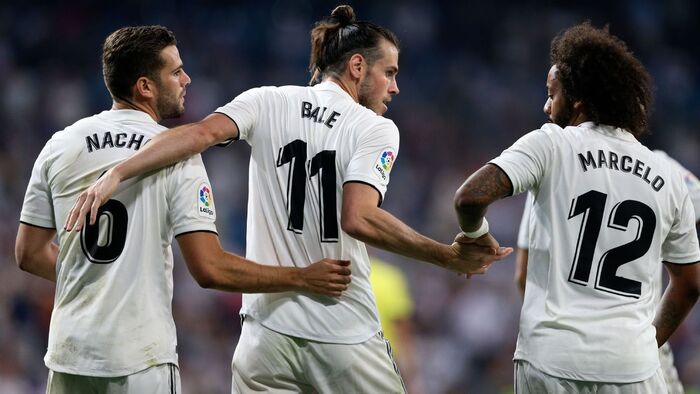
(160, 379)
(530, 380)
(673, 382)
(267, 361)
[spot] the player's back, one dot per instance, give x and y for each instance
(603, 213)
(307, 142)
(112, 309)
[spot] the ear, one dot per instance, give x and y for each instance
(145, 88)
(357, 66)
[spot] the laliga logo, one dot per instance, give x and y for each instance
(204, 195)
(387, 160)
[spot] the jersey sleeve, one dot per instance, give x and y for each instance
(693, 184)
(374, 157)
(190, 198)
(244, 110)
(37, 209)
(527, 160)
(524, 229)
(681, 243)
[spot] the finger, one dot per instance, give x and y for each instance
(93, 210)
(344, 263)
(73, 215)
(82, 213)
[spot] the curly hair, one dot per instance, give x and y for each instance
(598, 69)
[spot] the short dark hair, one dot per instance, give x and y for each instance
(131, 53)
(335, 39)
(598, 69)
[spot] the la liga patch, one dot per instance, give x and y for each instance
(384, 163)
(205, 201)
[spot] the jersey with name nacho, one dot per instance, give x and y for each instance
(606, 211)
(307, 142)
(112, 312)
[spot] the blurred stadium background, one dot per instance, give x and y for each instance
(472, 80)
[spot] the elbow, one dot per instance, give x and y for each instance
(205, 279)
(23, 259)
(464, 202)
(353, 225)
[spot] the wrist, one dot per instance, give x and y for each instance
(480, 232)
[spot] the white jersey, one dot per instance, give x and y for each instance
(307, 142)
(606, 212)
(112, 312)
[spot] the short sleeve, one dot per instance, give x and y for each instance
(372, 161)
(681, 243)
(524, 230)
(693, 184)
(190, 198)
(244, 110)
(527, 160)
(37, 209)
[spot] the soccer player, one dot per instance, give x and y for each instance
(668, 369)
(112, 329)
(606, 210)
(320, 165)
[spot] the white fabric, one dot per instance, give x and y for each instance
(530, 380)
(112, 310)
(691, 181)
(288, 128)
(595, 325)
(266, 361)
(163, 378)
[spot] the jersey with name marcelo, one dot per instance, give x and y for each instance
(607, 212)
(307, 142)
(112, 311)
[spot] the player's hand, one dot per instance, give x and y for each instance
(327, 277)
(485, 240)
(90, 201)
(475, 256)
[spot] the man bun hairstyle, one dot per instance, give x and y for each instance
(598, 69)
(335, 39)
(131, 53)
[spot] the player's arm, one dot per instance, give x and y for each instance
(166, 148)
(213, 267)
(35, 251)
(362, 219)
(678, 299)
(521, 256)
(479, 191)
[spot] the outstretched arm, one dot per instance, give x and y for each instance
(166, 148)
(679, 298)
(363, 220)
(35, 251)
(213, 267)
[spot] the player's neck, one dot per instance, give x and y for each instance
(349, 87)
(143, 107)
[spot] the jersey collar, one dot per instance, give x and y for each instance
(130, 114)
(332, 86)
(611, 131)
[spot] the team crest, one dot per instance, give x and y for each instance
(205, 201)
(384, 163)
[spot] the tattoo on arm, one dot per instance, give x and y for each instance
(481, 189)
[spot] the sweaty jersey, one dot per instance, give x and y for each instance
(307, 142)
(112, 312)
(606, 212)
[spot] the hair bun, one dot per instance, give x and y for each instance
(343, 14)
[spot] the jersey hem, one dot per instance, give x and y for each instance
(316, 338)
(571, 375)
(102, 373)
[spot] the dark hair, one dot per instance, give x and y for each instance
(131, 53)
(598, 69)
(336, 39)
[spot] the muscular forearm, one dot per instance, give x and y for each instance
(381, 229)
(235, 273)
(164, 149)
(481, 189)
(674, 307)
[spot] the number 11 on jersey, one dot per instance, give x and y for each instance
(323, 165)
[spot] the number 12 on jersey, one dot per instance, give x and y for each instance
(592, 206)
(323, 165)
